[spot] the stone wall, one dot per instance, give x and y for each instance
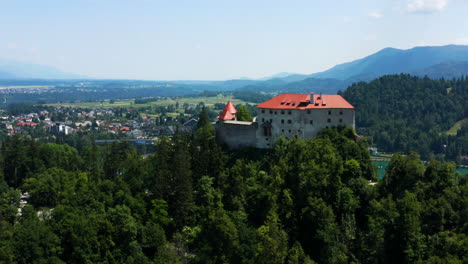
(237, 134)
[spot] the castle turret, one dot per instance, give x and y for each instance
(229, 112)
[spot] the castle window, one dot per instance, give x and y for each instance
(276, 112)
(271, 111)
(271, 120)
(341, 120)
(311, 122)
(282, 121)
(289, 121)
(263, 119)
(341, 112)
(289, 130)
(289, 112)
(329, 120)
(282, 112)
(263, 111)
(267, 131)
(282, 130)
(329, 112)
(308, 111)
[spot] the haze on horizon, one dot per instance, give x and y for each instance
(218, 40)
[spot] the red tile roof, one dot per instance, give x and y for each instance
(302, 101)
(24, 124)
(229, 112)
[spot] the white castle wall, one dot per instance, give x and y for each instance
(298, 122)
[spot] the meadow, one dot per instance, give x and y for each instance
(130, 103)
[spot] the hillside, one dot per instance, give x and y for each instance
(405, 113)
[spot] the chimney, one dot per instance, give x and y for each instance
(311, 98)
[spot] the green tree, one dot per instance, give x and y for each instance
(402, 174)
(243, 114)
(409, 226)
(207, 158)
(34, 242)
(321, 231)
(6, 245)
(296, 255)
(272, 245)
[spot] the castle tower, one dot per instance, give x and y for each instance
(229, 112)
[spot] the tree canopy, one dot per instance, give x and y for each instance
(305, 201)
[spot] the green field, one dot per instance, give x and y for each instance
(208, 101)
(457, 126)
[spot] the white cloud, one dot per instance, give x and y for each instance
(426, 6)
(375, 14)
(461, 41)
(346, 19)
(371, 37)
(12, 46)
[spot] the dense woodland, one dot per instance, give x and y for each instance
(305, 201)
(402, 113)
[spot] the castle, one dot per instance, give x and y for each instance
(285, 115)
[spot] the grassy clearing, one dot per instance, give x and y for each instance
(457, 126)
(208, 101)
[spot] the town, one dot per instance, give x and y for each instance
(138, 121)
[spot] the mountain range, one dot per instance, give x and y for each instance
(436, 62)
(11, 69)
(448, 62)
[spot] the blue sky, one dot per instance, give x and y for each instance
(218, 39)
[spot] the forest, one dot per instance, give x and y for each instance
(193, 201)
(403, 113)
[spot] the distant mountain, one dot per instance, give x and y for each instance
(435, 62)
(23, 70)
(278, 75)
(447, 70)
(391, 61)
(294, 78)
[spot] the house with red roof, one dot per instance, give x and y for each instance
(26, 124)
(285, 115)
